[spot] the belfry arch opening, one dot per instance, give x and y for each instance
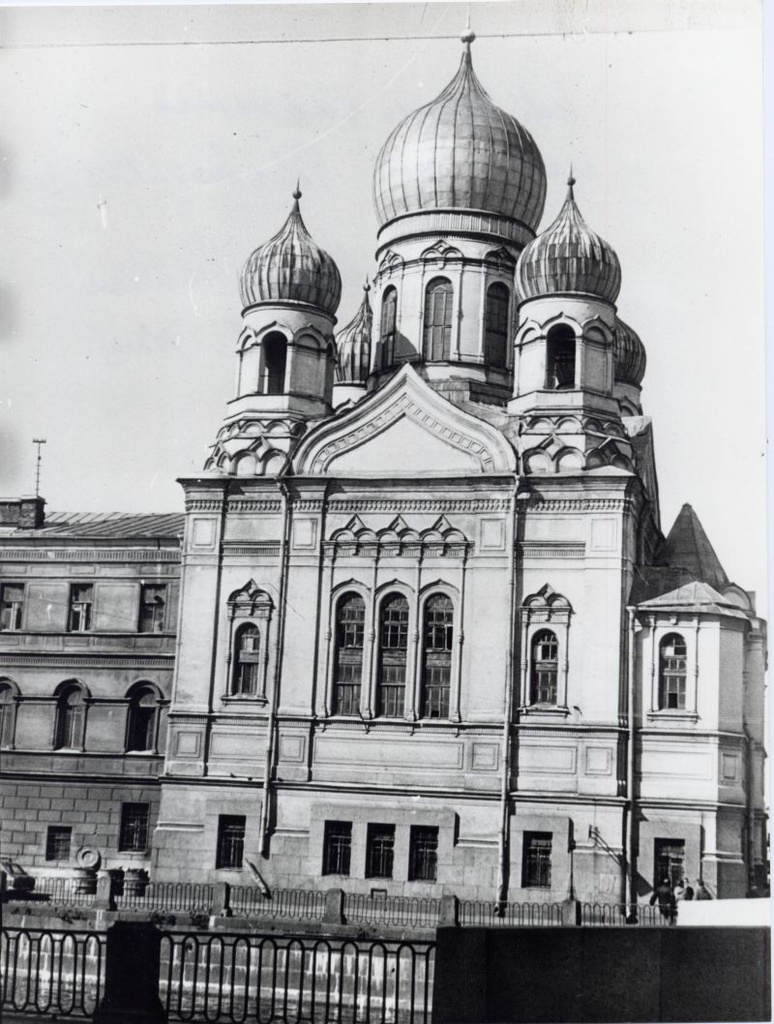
(275, 354)
(560, 358)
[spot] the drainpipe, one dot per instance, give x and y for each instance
(503, 850)
(272, 719)
(629, 811)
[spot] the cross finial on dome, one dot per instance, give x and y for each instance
(367, 286)
(468, 35)
(297, 194)
(570, 183)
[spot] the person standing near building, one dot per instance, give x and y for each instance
(666, 901)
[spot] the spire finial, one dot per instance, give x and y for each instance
(570, 183)
(367, 285)
(468, 35)
(297, 194)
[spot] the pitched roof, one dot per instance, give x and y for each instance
(687, 547)
(696, 596)
(106, 526)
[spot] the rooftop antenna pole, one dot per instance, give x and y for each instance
(38, 441)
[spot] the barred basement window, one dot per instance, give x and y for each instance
(436, 674)
(81, 601)
(672, 673)
(496, 325)
(247, 662)
(350, 622)
(380, 849)
(153, 598)
(387, 327)
(134, 827)
(393, 650)
(337, 847)
(536, 861)
(58, 838)
(438, 320)
(545, 667)
(423, 853)
(11, 606)
(231, 841)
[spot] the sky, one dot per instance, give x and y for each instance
(145, 152)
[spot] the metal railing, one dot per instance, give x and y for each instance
(294, 904)
(487, 914)
(230, 977)
(56, 973)
(597, 915)
(392, 911)
(64, 891)
(170, 896)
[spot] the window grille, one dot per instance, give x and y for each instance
(141, 731)
(387, 326)
(231, 841)
(438, 320)
(439, 636)
(380, 851)
(58, 839)
(81, 600)
(536, 868)
(423, 853)
(70, 719)
(668, 861)
(152, 607)
(247, 663)
(672, 672)
(545, 667)
(393, 650)
(496, 325)
(134, 827)
(337, 847)
(11, 606)
(350, 624)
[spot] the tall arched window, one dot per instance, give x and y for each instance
(247, 658)
(8, 694)
(387, 326)
(438, 320)
(496, 325)
(672, 673)
(545, 667)
(560, 358)
(393, 650)
(274, 359)
(348, 669)
(141, 727)
(70, 717)
(437, 653)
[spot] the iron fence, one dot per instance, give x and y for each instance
(395, 911)
(611, 914)
(59, 974)
(64, 891)
(294, 904)
(170, 896)
(295, 979)
(488, 914)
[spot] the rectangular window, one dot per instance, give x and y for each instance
(536, 863)
(380, 848)
(231, 841)
(81, 600)
(58, 842)
(423, 853)
(134, 827)
(11, 605)
(392, 691)
(153, 602)
(337, 847)
(347, 689)
(668, 861)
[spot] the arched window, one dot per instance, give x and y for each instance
(672, 672)
(560, 358)
(247, 658)
(437, 651)
(7, 714)
(438, 320)
(274, 358)
(393, 649)
(496, 325)
(387, 327)
(70, 717)
(545, 667)
(141, 727)
(350, 623)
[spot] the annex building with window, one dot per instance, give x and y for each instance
(431, 637)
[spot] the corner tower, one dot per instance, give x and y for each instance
(459, 188)
(286, 353)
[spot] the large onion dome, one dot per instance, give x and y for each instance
(629, 357)
(353, 345)
(291, 267)
(569, 257)
(461, 152)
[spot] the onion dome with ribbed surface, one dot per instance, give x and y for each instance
(569, 257)
(629, 356)
(353, 344)
(291, 267)
(461, 152)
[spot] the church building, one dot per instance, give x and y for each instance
(419, 630)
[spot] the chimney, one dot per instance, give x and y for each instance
(23, 513)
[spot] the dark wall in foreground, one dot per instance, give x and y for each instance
(496, 976)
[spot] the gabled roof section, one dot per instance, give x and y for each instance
(405, 429)
(695, 597)
(105, 526)
(687, 547)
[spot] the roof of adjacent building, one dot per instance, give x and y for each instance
(106, 526)
(698, 597)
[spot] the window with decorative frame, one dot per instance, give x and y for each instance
(247, 661)
(545, 625)
(348, 660)
(142, 719)
(672, 673)
(387, 325)
(393, 656)
(544, 667)
(437, 656)
(250, 611)
(11, 606)
(437, 323)
(496, 325)
(70, 718)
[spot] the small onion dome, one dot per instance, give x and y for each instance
(461, 152)
(628, 354)
(291, 267)
(569, 257)
(353, 343)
